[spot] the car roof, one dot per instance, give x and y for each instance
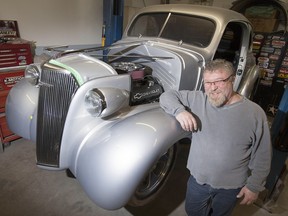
(215, 13)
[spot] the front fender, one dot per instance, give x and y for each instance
(110, 167)
(21, 109)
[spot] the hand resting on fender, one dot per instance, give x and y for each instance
(187, 121)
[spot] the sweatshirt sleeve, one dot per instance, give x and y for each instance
(261, 156)
(174, 102)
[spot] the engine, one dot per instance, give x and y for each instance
(145, 87)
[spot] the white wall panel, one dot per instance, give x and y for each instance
(56, 22)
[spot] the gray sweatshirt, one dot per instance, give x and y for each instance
(232, 146)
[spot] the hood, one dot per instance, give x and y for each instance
(86, 67)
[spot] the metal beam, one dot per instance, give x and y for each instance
(112, 21)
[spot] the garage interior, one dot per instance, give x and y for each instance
(29, 190)
(26, 189)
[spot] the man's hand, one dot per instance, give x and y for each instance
(187, 121)
(249, 197)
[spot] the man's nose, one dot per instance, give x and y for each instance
(213, 86)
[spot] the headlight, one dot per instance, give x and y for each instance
(32, 73)
(95, 102)
(102, 102)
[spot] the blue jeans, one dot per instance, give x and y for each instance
(203, 200)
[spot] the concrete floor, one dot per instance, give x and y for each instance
(26, 190)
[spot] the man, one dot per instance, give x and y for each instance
(230, 153)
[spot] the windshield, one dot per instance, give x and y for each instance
(193, 30)
(148, 25)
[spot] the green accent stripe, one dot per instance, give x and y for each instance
(70, 69)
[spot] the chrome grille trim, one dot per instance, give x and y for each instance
(57, 87)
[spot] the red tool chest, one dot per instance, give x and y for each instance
(6, 135)
(12, 55)
(8, 78)
(15, 55)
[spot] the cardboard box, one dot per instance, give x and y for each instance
(264, 25)
(12, 55)
(263, 12)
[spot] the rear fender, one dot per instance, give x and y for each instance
(110, 167)
(248, 81)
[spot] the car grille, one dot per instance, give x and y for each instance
(57, 87)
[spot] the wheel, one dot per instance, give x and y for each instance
(155, 179)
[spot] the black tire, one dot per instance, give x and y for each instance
(69, 174)
(155, 180)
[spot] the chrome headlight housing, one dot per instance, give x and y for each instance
(102, 102)
(95, 102)
(32, 73)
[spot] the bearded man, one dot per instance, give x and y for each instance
(230, 153)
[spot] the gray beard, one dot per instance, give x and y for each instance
(219, 102)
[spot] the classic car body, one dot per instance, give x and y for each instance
(99, 116)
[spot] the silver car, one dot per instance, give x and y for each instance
(95, 112)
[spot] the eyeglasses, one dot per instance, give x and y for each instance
(218, 82)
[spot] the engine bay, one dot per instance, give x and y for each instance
(145, 87)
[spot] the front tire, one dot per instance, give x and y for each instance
(155, 180)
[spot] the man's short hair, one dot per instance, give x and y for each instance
(217, 64)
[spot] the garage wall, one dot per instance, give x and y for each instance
(132, 6)
(76, 23)
(223, 3)
(56, 22)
